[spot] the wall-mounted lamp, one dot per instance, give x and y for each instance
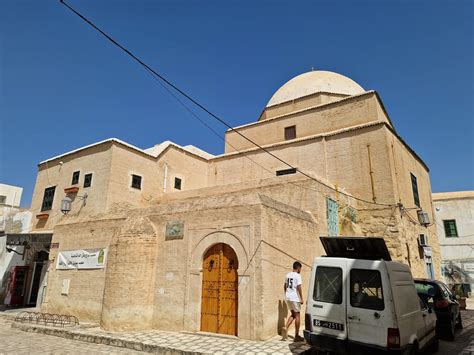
(10, 250)
(66, 203)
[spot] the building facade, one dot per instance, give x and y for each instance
(10, 195)
(18, 261)
(454, 212)
(178, 239)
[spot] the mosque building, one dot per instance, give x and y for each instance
(174, 238)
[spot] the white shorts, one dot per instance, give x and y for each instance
(294, 306)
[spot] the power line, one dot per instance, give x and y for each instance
(193, 113)
(204, 122)
(195, 102)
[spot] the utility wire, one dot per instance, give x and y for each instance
(218, 135)
(195, 102)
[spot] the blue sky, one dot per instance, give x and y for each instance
(63, 86)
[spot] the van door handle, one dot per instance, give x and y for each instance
(353, 318)
(317, 306)
(377, 315)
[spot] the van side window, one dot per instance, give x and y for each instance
(366, 289)
(328, 285)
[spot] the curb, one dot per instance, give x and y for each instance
(8, 316)
(101, 339)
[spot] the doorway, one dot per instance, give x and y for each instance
(41, 258)
(219, 301)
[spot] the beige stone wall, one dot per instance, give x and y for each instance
(180, 164)
(176, 162)
(179, 262)
(86, 290)
(290, 237)
(169, 272)
(125, 162)
(403, 164)
(269, 221)
(130, 279)
(353, 157)
(112, 165)
(300, 104)
(342, 159)
(95, 160)
(258, 165)
(339, 115)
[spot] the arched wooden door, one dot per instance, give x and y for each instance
(219, 290)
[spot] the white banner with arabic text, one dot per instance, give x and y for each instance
(82, 259)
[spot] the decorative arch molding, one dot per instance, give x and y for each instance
(221, 236)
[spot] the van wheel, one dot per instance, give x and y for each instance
(450, 332)
(434, 347)
(459, 323)
(414, 349)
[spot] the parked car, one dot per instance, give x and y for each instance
(438, 296)
(361, 302)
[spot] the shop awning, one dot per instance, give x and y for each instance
(18, 239)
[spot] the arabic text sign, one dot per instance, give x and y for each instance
(81, 259)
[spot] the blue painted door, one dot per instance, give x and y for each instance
(332, 217)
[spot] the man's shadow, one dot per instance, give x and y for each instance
(282, 314)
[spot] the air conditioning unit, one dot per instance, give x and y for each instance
(423, 218)
(423, 240)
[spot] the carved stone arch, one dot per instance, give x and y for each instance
(194, 288)
(216, 237)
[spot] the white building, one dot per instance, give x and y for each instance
(454, 213)
(10, 195)
(13, 219)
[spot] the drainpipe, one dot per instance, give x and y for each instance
(371, 174)
(165, 179)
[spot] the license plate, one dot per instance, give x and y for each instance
(329, 325)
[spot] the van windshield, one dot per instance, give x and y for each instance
(328, 285)
(366, 289)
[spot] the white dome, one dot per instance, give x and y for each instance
(313, 82)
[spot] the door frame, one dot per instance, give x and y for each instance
(35, 265)
(200, 242)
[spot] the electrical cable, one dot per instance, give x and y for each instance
(218, 135)
(195, 102)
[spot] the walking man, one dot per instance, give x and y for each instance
(294, 299)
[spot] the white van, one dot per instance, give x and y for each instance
(361, 302)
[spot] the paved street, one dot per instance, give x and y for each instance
(16, 341)
(464, 343)
(151, 341)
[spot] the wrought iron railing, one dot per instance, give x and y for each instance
(47, 318)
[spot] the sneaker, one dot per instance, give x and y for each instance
(298, 339)
(284, 333)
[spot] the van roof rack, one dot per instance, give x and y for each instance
(369, 248)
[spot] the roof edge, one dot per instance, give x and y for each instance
(302, 139)
(348, 98)
(119, 141)
(453, 195)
